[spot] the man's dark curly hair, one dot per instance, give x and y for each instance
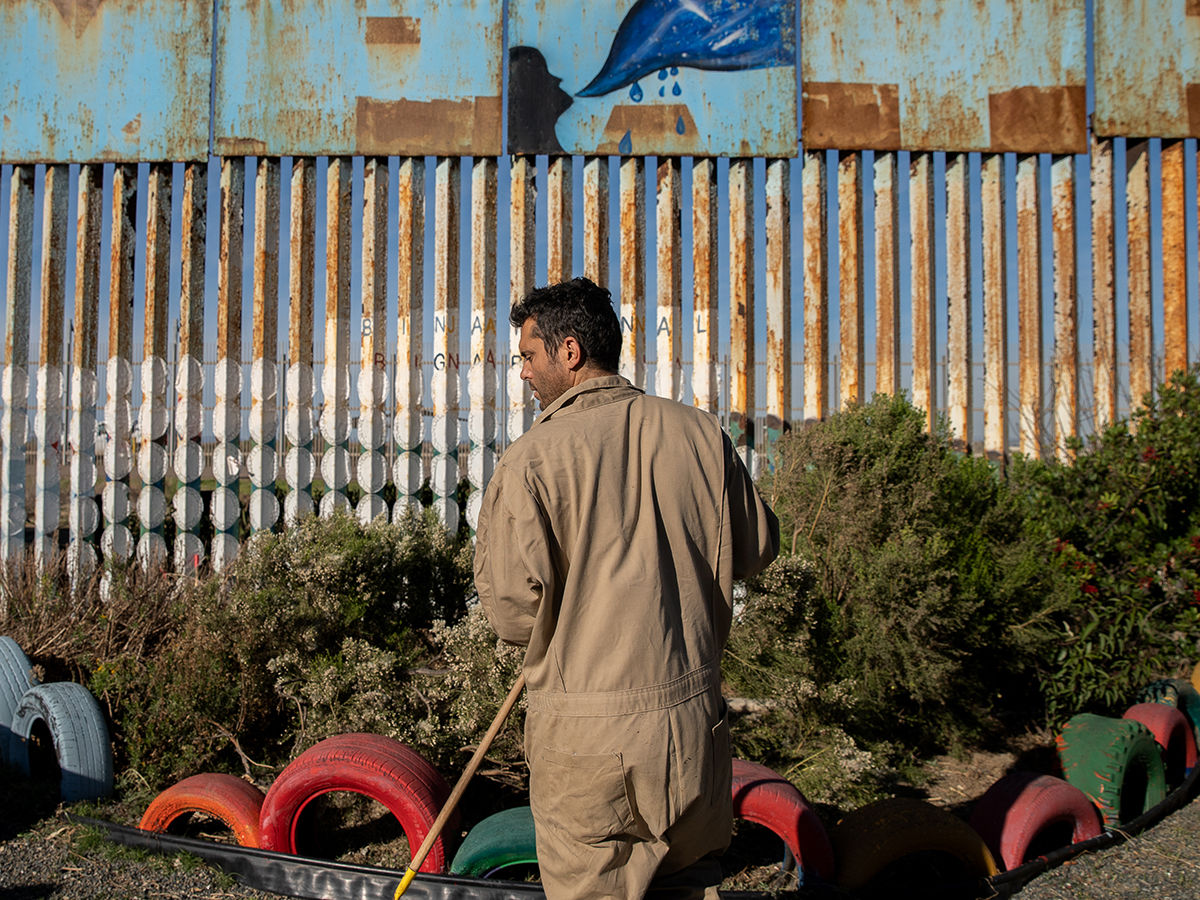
(580, 309)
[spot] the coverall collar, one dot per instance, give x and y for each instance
(591, 386)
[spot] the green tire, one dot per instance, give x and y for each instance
(501, 840)
(1178, 693)
(1116, 762)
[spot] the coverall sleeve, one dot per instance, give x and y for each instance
(513, 565)
(753, 526)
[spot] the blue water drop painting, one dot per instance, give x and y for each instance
(680, 128)
(626, 145)
(635, 93)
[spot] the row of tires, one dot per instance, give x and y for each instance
(62, 713)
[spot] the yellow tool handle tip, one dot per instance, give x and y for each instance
(409, 875)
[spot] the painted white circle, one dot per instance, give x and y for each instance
(404, 502)
(151, 507)
(226, 463)
(119, 376)
(15, 383)
(189, 507)
(298, 467)
(443, 475)
(481, 425)
(47, 426)
(115, 500)
(263, 379)
(189, 461)
(84, 516)
(371, 507)
(224, 508)
(118, 459)
(83, 474)
(264, 423)
(189, 376)
(408, 429)
(335, 384)
(264, 510)
(372, 471)
(372, 428)
(189, 552)
(189, 418)
(225, 549)
(49, 389)
(335, 424)
(474, 504)
(447, 513)
(152, 462)
(445, 433)
(227, 421)
(227, 380)
(81, 559)
(154, 376)
(117, 541)
(153, 419)
(333, 500)
(297, 505)
(335, 468)
(262, 465)
(372, 385)
(300, 383)
(408, 472)
(151, 550)
(298, 424)
(480, 465)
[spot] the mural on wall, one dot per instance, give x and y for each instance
(670, 77)
(375, 77)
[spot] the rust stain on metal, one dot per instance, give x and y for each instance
(373, 282)
(240, 146)
(191, 255)
(1066, 305)
(632, 200)
(669, 283)
(1141, 333)
(558, 211)
(1174, 254)
(122, 247)
(924, 330)
(301, 276)
(838, 115)
(482, 377)
(20, 265)
(410, 315)
(816, 287)
(646, 123)
(337, 265)
(1029, 306)
(779, 298)
(55, 200)
(887, 276)
(522, 267)
(266, 259)
(1193, 108)
(1104, 297)
(89, 189)
(705, 288)
(995, 309)
(741, 304)
(229, 261)
(959, 393)
(158, 260)
(393, 30)
(595, 219)
(851, 276)
(467, 126)
(1047, 119)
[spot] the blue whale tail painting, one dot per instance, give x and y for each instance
(702, 34)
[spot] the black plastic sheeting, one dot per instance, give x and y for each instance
(320, 879)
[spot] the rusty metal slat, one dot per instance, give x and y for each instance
(335, 374)
(16, 341)
(522, 266)
(816, 286)
(49, 416)
(481, 378)
(264, 388)
(887, 276)
(558, 213)
(668, 329)
(851, 264)
(779, 299)
(1141, 334)
(1174, 253)
(1066, 304)
(371, 468)
(84, 513)
(595, 219)
(924, 302)
(741, 307)
(298, 464)
(995, 308)
(408, 425)
(632, 206)
(1029, 306)
(959, 394)
(444, 477)
(706, 388)
(1104, 296)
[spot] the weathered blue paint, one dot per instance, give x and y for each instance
(104, 80)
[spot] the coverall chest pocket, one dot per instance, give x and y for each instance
(586, 794)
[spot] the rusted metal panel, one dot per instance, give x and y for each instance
(522, 266)
(816, 287)
(371, 467)
(668, 327)
(1104, 295)
(992, 193)
(887, 276)
(1147, 60)
(1029, 306)
(48, 420)
(559, 176)
(632, 200)
(706, 388)
(1141, 329)
(779, 301)
(408, 471)
(381, 78)
(1174, 255)
(444, 476)
(741, 308)
(959, 393)
(595, 219)
(298, 464)
(1066, 305)
(706, 77)
(16, 344)
(924, 283)
(482, 377)
(874, 76)
(335, 373)
(263, 464)
(851, 275)
(119, 80)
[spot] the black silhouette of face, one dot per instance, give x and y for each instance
(535, 101)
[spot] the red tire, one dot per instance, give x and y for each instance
(1022, 808)
(764, 797)
(378, 767)
(1172, 732)
(236, 803)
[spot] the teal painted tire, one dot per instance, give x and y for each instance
(1116, 762)
(78, 732)
(499, 841)
(15, 680)
(1178, 693)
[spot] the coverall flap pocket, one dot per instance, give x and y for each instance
(584, 793)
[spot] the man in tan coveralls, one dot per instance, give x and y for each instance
(608, 542)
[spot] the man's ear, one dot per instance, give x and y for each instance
(572, 353)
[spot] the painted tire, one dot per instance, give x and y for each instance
(1172, 733)
(764, 797)
(80, 736)
(15, 680)
(378, 767)
(501, 840)
(235, 802)
(1022, 811)
(1178, 693)
(1115, 762)
(871, 838)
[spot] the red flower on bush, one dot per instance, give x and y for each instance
(1149, 454)
(1090, 589)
